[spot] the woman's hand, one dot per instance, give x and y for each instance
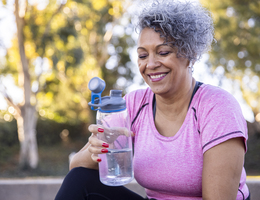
(97, 146)
(105, 138)
(109, 135)
(88, 155)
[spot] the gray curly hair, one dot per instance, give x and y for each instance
(186, 25)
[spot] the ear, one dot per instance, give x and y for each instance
(190, 65)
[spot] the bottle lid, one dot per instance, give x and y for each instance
(112, 103)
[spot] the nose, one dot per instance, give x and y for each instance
(152, 62)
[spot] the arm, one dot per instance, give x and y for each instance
(88, 156)
(222, 167)
(83, 159)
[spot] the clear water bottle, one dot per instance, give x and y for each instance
(116, 167)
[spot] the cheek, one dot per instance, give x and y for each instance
(141, 66)
(184, 62)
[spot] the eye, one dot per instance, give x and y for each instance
(142, 56)
(164, 53)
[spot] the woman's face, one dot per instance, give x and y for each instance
(158, 64)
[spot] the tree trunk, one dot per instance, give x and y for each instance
(26, 124)
(26, 121)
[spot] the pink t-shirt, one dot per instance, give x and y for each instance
(171, 167)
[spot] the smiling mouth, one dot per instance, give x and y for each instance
(157, 77)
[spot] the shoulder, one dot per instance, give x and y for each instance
(215, 106)
(138, 98)
(208, 91)
(210, 96)
(219, 116)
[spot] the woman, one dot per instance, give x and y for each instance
(190, 138)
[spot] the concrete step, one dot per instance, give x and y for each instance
(253, 183)
(46, 188)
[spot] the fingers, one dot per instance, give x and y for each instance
(95, 151)
(110, 131)
(103, 136)
(125, 131)
(93, 128)
(95, 158)
(97, 146)
(132, 134)
(94, 141)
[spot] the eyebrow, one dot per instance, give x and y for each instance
(156, 46)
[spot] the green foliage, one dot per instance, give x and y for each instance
(8, 140)
(8, 133)
(111, 75)
(54, 148)
(4, 2)
(61, 46)
(65, 48)
(237, 30)
(50, 132)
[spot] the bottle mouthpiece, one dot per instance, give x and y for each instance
(96, 85)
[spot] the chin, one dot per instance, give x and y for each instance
(158, 91)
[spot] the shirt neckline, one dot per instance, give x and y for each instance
(196, 87)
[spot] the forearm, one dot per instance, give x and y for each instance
(83, 159)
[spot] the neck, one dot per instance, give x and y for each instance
(176, 104)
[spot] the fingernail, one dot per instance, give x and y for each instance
(99, 160)
(100, 130)
(104, 150)
(105, 145)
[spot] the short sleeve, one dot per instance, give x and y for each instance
(220, 118)
(135, 100)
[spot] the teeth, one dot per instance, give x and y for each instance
(157, 76)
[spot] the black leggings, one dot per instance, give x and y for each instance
(84, 184)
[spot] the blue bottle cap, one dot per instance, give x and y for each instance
(112, 103)
(96, 85)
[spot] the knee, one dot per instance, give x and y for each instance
(82, 173)
(75, 183)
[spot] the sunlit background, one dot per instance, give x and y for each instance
(68, 42)
(201, 70)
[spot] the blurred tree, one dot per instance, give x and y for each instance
(237, 50)
(59, 46)
(118, 71)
